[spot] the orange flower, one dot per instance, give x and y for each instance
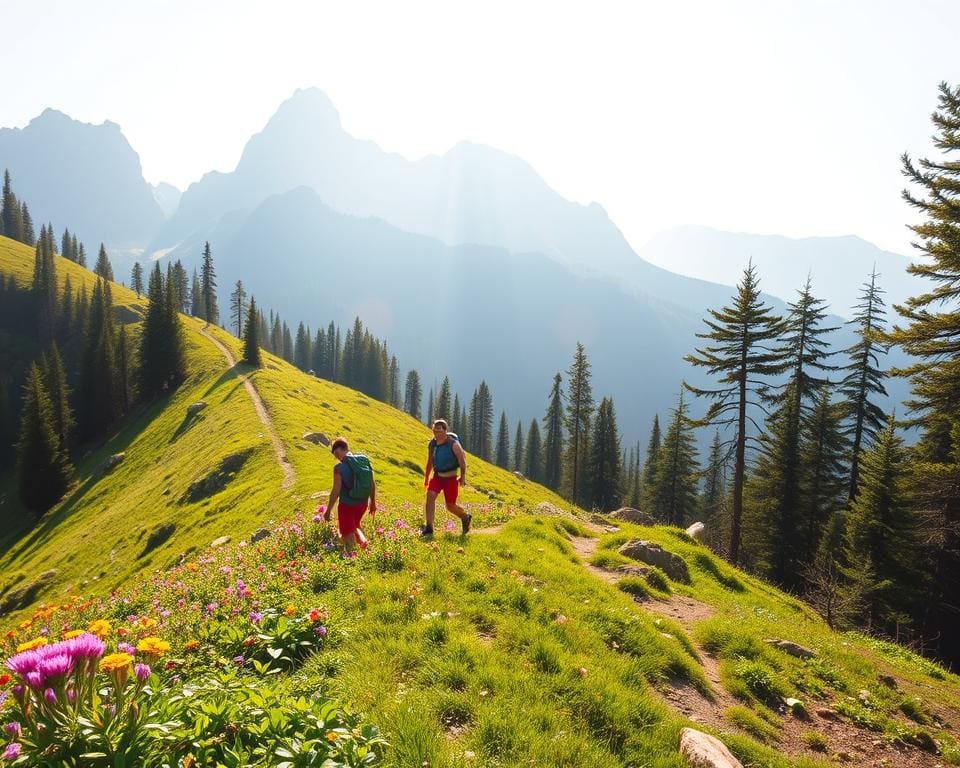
(331, 736)
(25, 624)
(116, 662)
(193, 567)
(191, 645)
(153, 646)
(100, 627)
(123, 631)
(32, 645)
(290, 611)
(146, 623)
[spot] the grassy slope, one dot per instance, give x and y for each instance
(500, 650)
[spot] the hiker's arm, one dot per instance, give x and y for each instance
(426, 473)
(334, 495)
(461, 460)
(373, 496)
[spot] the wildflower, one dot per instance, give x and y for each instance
(170, 665)
(191, 645)
(146, 622)
(561, 619)
(32, 645)
(126, 648)
(321, 631)
(249, 641)
(153, 647)
(50, 696)
(55, 667)
(4, 679)
(13, 729)
(142, 671)
(290, 611)
(72, 633)
(116, 662)
(239, 660)
(255, 617)
(12, 752)
(99, 627)
(449, 525)
(331, 736)
(193, 567)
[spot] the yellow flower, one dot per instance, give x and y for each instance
(331, 735)
(25, 624)
(116, 662)
(100, 627)
(147, 623)
(290, 611)
(153, 646)
(193, 567)
(72, 633)
(32, 645)
(191, 645)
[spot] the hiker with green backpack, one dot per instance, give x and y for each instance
(353, 488)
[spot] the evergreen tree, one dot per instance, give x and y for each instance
(11, 216)
(503, 442)
(65, 242)
(481, 422)
(741, 357)
(713, 506)
(517, 464)
(443, 403)
(45, 289)
(396, 398)
(82, 256)
(181, 284)
(162, 351)
(98, 375)
(302, 352)
(238, 311)
(675, 484)
(604, 462)
(413, 394)
(251, 340)
(287, 344)
(864, 378)
(122, 355)
(43, 471)
(197, 307)
(805, 350)
(136, 279)
(276, 336)
(208, 287)
(553, 437)
(650, 468)
(578, 419)
(55, 384)
(65, 327)
(103, 267)
(827, 589)
(533, 457)
(880, 543)
(29, 234)
(75, 251)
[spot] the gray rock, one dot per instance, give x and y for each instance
(653, 554)
(827, 714)
(260, 533)
(546, 508)
(633, 570)
(219, 542)
(794, 649)
(631, 515)
(519, 475)
(705, 751)
(695, 531)
(111, 461)
(317, 438)
(194, 408)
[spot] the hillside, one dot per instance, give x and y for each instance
(523, 644)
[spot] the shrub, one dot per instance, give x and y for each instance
(751, 723)
(761, 681)
(635, 586)
(658, 580)
(915, 710)
(815, 741)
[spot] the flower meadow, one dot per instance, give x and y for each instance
(197, 665)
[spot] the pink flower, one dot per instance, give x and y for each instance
(142, 671)
(12, 752)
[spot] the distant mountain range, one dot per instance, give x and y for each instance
(468, 263)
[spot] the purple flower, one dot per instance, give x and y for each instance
(449, 525)
(23, 663)
(142, 671)
(50, 695)
(255, 617)
(54, 667)
(12, 752)
(34, 679)
(71, 694)
(317, 518)
(239, 660)
(126, 648)
(85, 646)
(321, 631)
(13, 729)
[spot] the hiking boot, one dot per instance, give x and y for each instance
(466, 524)
(426, 531)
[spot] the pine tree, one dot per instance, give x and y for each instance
(413, 394)
(276, 336)
(29, 234)
(396, 398)
(517, 464)
(11, 215)
(238, 310)
(740, 356)
(805, 350)
(533, 458)
(75, 251)
(481, 422)
(103, 267)
(43, 471)
(880, 543)
(301, 348)
(578, 419)
(650, 467)
(553, 440)
(98, 374)
(208, 287)
(122, 356)
(162, 352)
(605, 468)
(864, 377)
(45, 289)
(136, 278)
(251, 341)
(827, 589)
(430, 411)
(675, 484)
(503, 442)
(931, 335)
(55, 384)
(65, 242)
(197, 307)
(713, 506)
(287, 344)
(82, 256)
(65, 306)
(443, 402)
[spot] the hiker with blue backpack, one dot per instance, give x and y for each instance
(353, 488)
(445, 457)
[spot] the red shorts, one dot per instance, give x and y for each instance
(348, 517)
(449, 485)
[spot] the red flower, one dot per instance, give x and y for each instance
(4, 679)
(169, 665)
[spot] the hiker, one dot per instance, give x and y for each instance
(446, 458)
(353, 486)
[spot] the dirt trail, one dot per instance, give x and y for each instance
(851, 745)
(288, 474)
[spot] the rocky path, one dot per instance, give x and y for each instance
(289, 477)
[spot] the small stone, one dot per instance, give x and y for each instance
(317, 438)
(112, 461)
(791, 648)
(582, 671)
(194, 408)
(220, 542)
(696, 530)
(260, 533)
(635, 516)
(864, 695)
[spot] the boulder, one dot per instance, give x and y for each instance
(219, 542)
(705, 751)
(794, 649)
(260, 533)
(111, 461)
(519, 475)
(546, 508)
(653, 554)
(631, 515)
(317, 438)
(194, 408)
(695, 531)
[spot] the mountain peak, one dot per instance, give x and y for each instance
(307, 107)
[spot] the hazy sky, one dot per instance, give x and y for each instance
(770, 117)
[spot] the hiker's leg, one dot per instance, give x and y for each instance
(451, 489)
(361, 538)
(350, 543)
(429, 507)
(455, 509)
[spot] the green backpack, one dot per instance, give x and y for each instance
(359, 489)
